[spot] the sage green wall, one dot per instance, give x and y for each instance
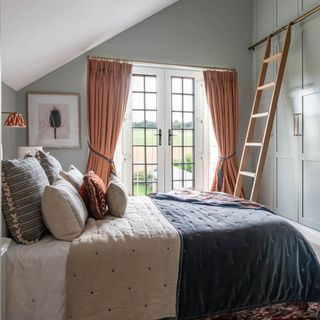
(200, 32)
(9, 135)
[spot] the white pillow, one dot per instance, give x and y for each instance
(74, 176)
(117, 197)
(63, 210)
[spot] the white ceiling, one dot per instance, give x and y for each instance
(38, 36)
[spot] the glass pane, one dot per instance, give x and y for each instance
(137, 83)
(188, 120)
(138, 155)
(151, 137)
(176, 85)
(152, 154)
(188, 137)
(177, 138)
(151, 188)
(151, 101)
(177, 154)
(187, 85)
(177, 185)
(188, 184)
(138, 137)
(188, 172)
(152, 173)
(177, 102)
(138, 173)
(151, 84)
(137, 101)
(188, 103)
(138, 119)
(188, 154)
(139, 189)
(151, 119)
(176, 120)
(177, 173)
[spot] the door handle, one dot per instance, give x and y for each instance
(296, 124)
(170, 135)
(159, 134)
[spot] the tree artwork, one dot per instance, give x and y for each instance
(55, 121)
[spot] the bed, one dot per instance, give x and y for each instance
(184, 256)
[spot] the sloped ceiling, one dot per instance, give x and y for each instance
(38, 36)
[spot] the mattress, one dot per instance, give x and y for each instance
(41, 268)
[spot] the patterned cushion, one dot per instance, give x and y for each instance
(74, 176)
(117, 197)
(93, 193)
(63, 210)
(50, 165)
(23, 183)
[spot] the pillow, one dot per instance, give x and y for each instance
(93, 192)
(74, 176)
(117, 197)
(63, 210)
(23, 183)
(50, 165)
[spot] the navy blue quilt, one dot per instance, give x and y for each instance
(236, 258)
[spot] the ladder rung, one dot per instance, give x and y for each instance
(254, 144)
(273, 58)
(260, 115)
(247, 173)
(266, 86)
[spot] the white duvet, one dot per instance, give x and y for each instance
(35, 280)
(137, 244)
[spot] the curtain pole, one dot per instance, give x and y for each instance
(160, 63)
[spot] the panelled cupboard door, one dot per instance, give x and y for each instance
(287, 10)
(292, 80)
(286, 156)
(310, 161)
(311, 53)
(309, 4)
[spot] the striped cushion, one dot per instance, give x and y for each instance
(23, 183)
(50, 165)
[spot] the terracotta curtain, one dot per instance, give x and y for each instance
(108, 90)
(222, 97)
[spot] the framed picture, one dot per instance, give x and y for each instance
(53, 119)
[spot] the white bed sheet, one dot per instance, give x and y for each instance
(35, 280)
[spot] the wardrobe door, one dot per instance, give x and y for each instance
(310, 149)
(286, 157)
(310, 161)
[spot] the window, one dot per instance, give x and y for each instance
(166, 139)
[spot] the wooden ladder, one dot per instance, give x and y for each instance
(264, 144)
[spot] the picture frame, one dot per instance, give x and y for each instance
(53, 119)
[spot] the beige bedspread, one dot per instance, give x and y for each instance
(124, 268)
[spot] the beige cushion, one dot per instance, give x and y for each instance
(117, 197)
(63, 210)
(74, 176)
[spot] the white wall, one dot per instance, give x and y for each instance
(202, 32)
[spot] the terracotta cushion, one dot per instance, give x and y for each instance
(93, 193)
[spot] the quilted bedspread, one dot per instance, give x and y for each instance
(237, 255)
(124, 268)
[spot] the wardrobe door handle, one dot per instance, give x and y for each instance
(296, 124)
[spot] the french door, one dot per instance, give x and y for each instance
(163, 133)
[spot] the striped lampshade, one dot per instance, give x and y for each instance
(15, 120)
